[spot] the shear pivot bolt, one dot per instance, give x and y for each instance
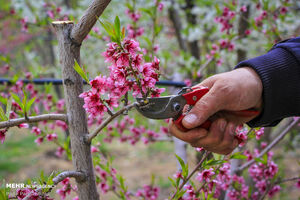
(176, 107)
(194, 98)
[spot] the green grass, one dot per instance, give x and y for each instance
(15, 152)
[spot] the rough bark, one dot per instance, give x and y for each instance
(73, 87)
(88, 20)
(176, 21)
(191, 18)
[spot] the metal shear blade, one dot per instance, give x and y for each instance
(162, 107)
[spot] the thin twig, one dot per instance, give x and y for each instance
(271, 145)
(33, 119)
(270, 186)
(108, 120)
(286, 180)
(205, 64)
(191, 174)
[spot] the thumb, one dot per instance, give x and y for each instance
(208, 105)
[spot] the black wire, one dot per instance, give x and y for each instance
(59, 82)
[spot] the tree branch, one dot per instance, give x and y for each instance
(176, 20)
(87, 21)
(108, 120)
(32, 119)
(271, 145)
(79, 176)
(191, 174)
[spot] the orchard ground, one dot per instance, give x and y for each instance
(20, 160)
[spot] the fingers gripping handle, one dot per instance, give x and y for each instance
(194, 96)
(191, 99)
(178, 123)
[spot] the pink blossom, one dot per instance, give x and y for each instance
(205, 175)
(50, 14)
(61, 124)
(283, 10)
(247, 32)
(298, 183)
(199, 149)
(39, 140)
(242, 137)
(51, 137)
(2, 135)
(243, 8)
(60, 105)
(274, 190)
(219, 62)
(59, 152)
(259, 133)
(36, 130)
(94, 149)
(23, 125)
(188, 82)
(28, 75)
(261, 185)
(160, 6)
(12, 115)
(164, 129)
(104, 187)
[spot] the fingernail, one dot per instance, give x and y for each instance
(190, 119)
(222, 124)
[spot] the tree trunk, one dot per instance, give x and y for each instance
(73, 87)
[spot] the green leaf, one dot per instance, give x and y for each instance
(238, 155)
(3, 100)
(146, 10)
(184, 166)
(29, 103)
(2, 114)
(16, 98)
(214, 162)
(118, 28)
(122, 184)
(181, 162)
(8, 107)
(172, 181)
(79, 70)
(258, 160)
(109, 28)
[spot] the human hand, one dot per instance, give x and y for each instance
(236, 90)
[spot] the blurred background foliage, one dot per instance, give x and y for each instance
(185, 31)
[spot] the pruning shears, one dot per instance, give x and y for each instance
(173, 106)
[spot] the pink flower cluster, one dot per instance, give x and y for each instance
(33, 195)
(128, 72)
(125, 126)
(225, 19)
(107, 177)
(262, 174)
(259, 133)
(223, 44)
(66, 189)
(241, 135)
(148, 192)
(133, 31)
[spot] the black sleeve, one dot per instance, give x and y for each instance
(279, 71)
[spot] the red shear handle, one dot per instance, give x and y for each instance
(195, 95)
